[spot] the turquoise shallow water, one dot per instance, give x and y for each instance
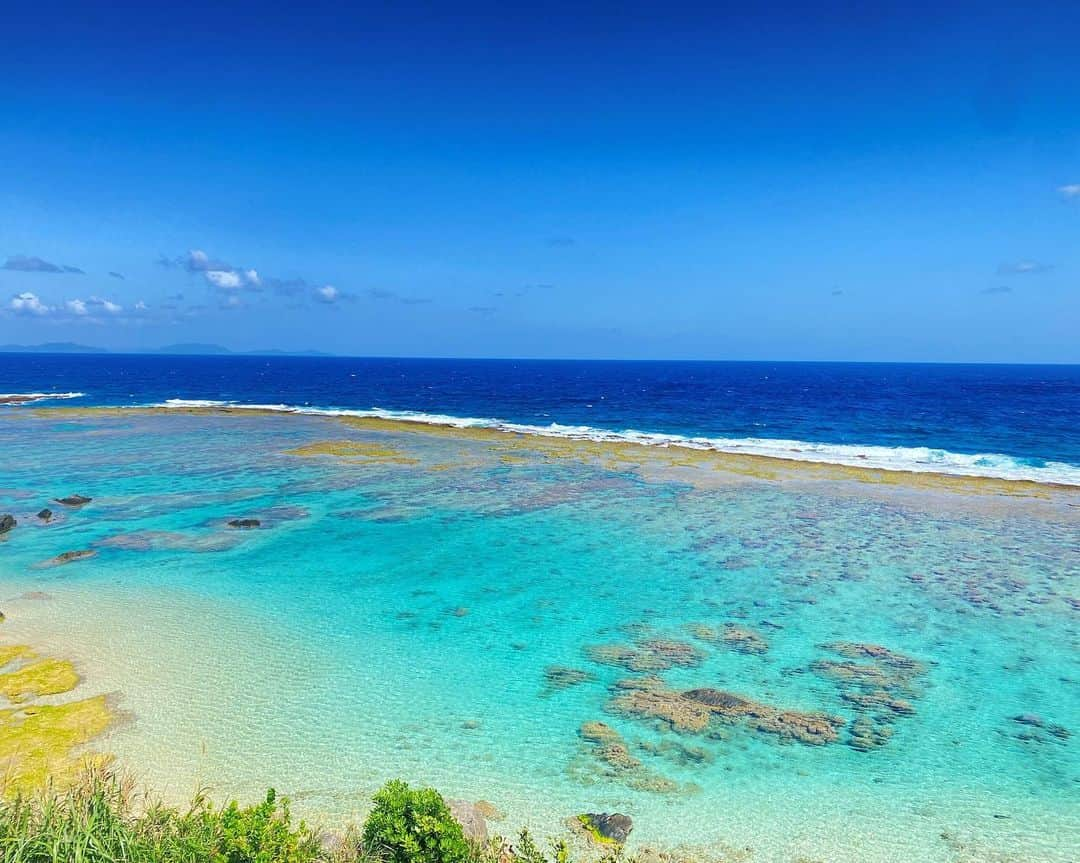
(398, 620)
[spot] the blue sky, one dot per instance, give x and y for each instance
(864, 181)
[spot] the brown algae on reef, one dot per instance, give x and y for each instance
(353, 449)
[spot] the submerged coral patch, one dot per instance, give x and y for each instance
(814, 728)
(66, 557)
(694, 710)
(165, 540)
(744, 639)
(615, 762)
(867, 734)
(648, 699)
(680, 753)
(1030, 728)
(559, 677)
(883, 655)
(651, 654)
(878, 683)
(736, 636)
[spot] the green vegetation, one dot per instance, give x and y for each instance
(414, 825)
(98, 820)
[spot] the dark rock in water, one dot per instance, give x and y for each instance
(45, 515)
(472, 821)
(718, 698)
(7, 522)
(74, 500)
(70, 557)
(607, 829)
(245, 523)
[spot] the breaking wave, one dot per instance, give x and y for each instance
(15, 399)
(907, 459)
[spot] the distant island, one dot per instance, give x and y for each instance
(51, 348)
(179, 349)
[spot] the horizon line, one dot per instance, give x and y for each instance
(323, 355)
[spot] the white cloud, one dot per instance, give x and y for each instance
(226, 280)
(109, 306)
(1021, 268)
(327, 294)
(252, 278)
(27, 303)
(1070, 191)
(140, 306)
(197, 260)
(76, 307)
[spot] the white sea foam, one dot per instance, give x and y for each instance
(30, 398)
(193, 403)
(905, 459)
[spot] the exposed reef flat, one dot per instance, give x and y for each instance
(696, 466)
(354, 449)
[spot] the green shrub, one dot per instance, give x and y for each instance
(263, 834)
(413, 825)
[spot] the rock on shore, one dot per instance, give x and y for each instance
(606, 829)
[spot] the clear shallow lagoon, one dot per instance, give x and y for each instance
(397, 619)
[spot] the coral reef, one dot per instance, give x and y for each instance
(866, 734)
(677, 752)
(67, 557)
(812, 728)
(744, 639)
(650, 654)
(616, 763)
(166, 540)
(560, 677)
(692, 711)
(646, 698)
(880, 690)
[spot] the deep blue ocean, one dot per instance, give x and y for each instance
(1029, 413)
